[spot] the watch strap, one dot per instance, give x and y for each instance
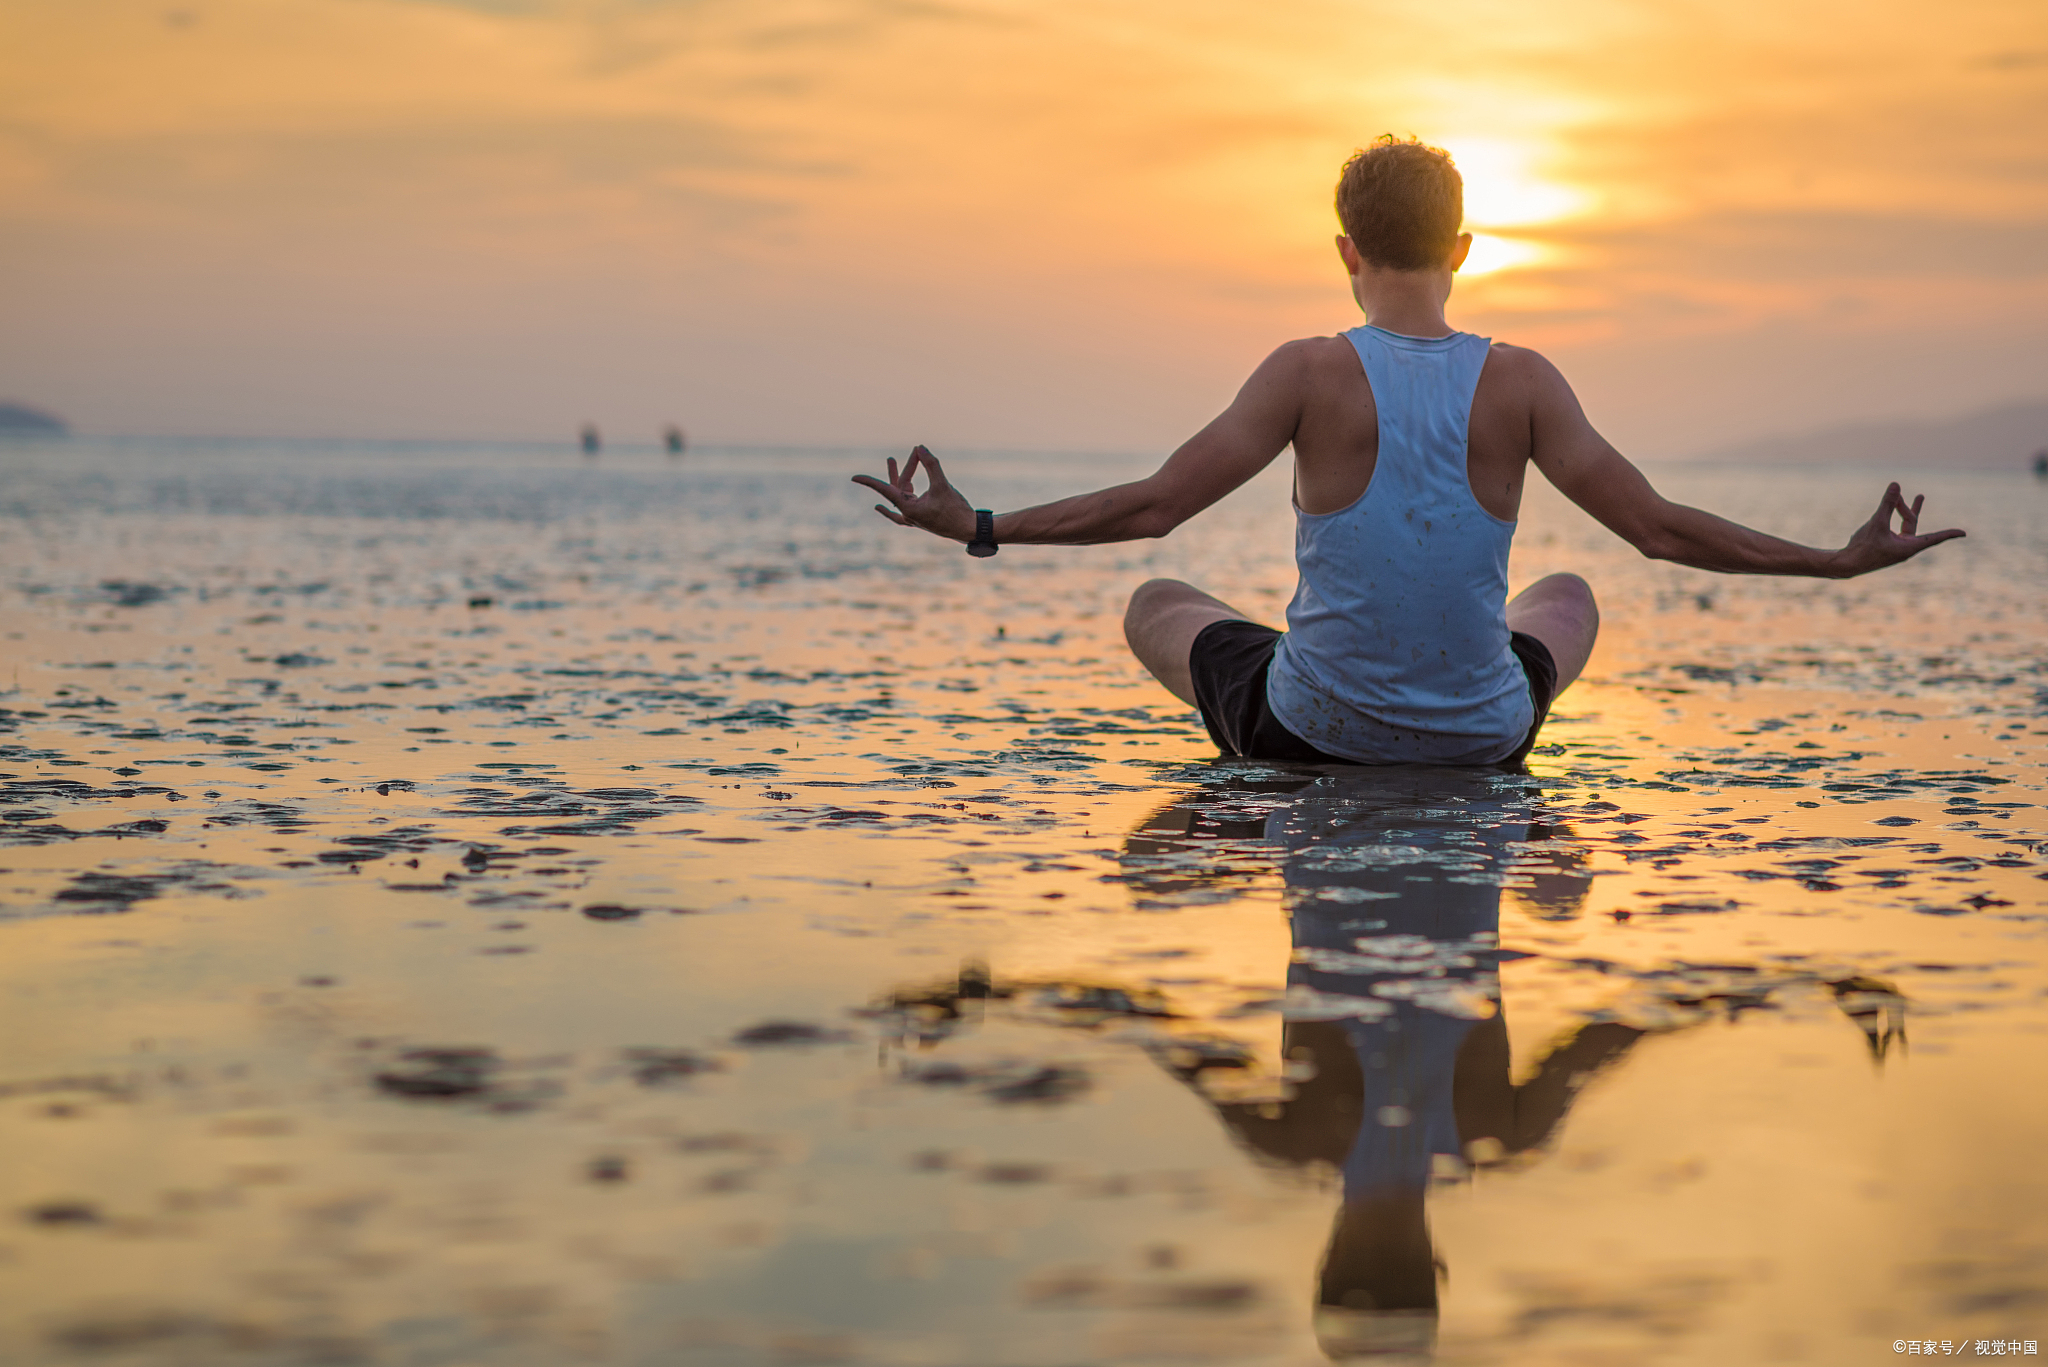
(984, 543)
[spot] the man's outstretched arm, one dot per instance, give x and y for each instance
(1242, 441)
(1601, 480)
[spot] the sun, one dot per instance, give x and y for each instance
(1504, 191)
(1490, 253)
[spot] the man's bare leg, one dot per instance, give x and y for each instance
(1161, 624)
(1560, 612)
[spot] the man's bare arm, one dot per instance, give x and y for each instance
(1242, 441)
(1592, 474)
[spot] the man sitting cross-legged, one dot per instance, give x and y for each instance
(1411, 442)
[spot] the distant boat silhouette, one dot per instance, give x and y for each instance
(19, 420)
(672, 438)
(592, 443)
(2041, 464)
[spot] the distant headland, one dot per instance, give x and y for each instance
(2003, 438)
(19, 420)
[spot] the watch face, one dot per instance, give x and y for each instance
(983, 549)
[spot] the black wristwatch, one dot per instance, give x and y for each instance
(984, 542)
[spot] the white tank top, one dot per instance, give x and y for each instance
(1397, 639)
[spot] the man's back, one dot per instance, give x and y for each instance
(1397, 649)
(1336, 439)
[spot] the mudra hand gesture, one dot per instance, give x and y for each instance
(1876, 545)
(939, 510)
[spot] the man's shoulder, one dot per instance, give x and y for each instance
(1509, 356)
(1523, 369)
(1315, 360)
(1315, 350)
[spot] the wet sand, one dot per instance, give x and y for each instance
(478, 906)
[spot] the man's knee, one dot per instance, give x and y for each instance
(1561, 598)
(1156, 592)
(1150, 597)
(1566, 585)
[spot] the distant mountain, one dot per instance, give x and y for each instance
(19, 420)
(2003, 438)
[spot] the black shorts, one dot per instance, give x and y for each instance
(1229, 661)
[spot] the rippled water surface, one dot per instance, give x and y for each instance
(471, 906)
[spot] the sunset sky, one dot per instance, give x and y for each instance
(994, 223)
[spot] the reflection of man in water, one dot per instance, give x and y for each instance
(1394, 1038)
(1394, 1032)
(1411, 442)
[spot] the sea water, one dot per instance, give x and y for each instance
(483, 905)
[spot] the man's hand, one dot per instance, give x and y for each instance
(939, 510)
(1876, 545)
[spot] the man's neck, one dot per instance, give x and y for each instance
(1408, 302)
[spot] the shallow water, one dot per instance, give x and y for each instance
(470, 905)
